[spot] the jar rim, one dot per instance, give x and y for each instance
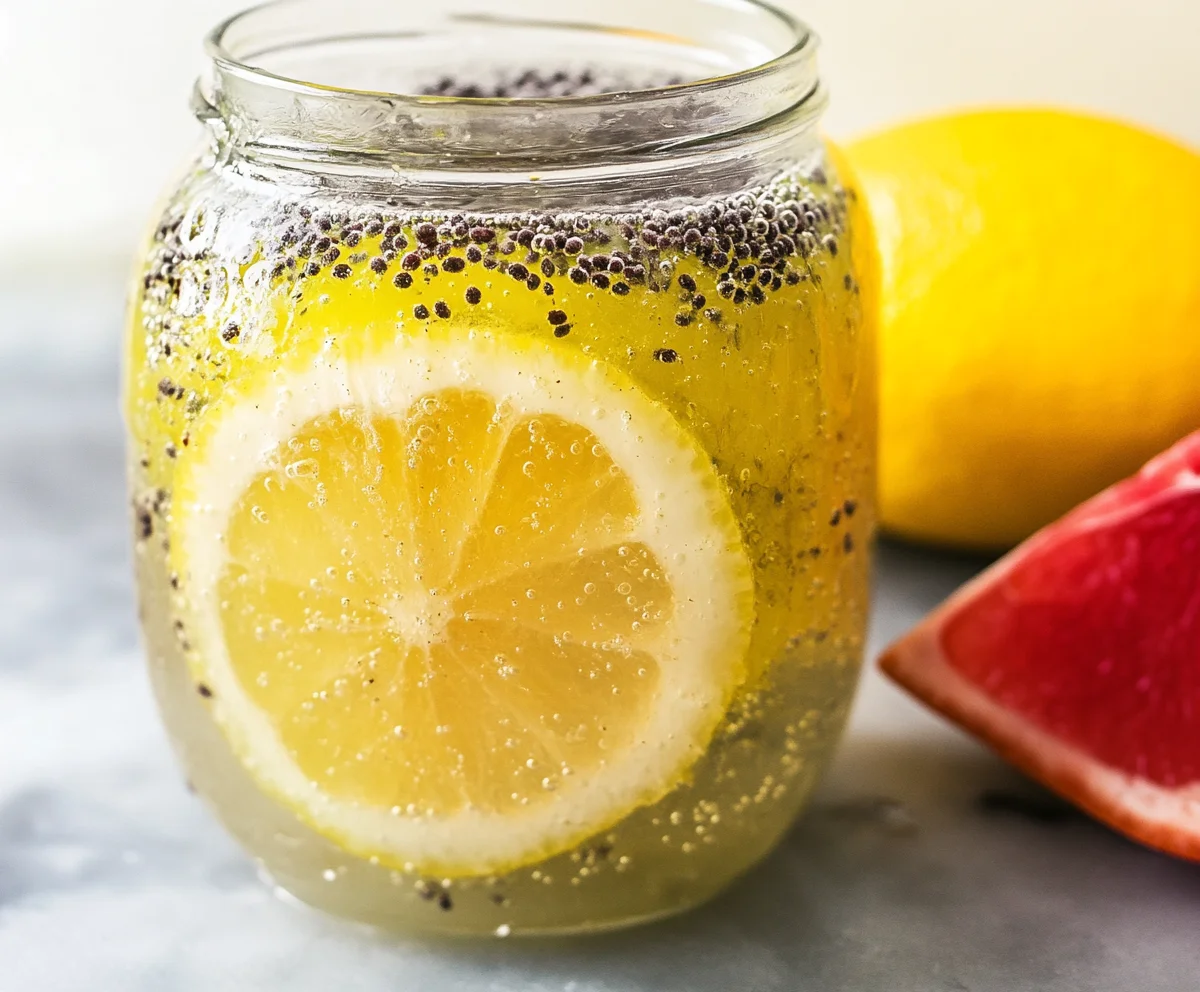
(218, 49)
(260, 113)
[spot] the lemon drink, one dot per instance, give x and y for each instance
(505, 573)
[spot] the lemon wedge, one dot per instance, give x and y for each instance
(460, 604)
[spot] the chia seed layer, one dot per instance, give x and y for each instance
(743, 249)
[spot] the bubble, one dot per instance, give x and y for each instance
(589, 587)
(257, 277)
(222, 282)
(198, 229)
(192, 297)
(624, 589)
(304, 468)
(259, 514)
(527, 469)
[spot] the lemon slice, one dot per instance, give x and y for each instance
(463, 604)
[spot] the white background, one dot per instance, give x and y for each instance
(95, 113)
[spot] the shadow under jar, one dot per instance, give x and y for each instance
(500, 393)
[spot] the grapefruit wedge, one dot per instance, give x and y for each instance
(1077, 657)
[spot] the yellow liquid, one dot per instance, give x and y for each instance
(766, 363)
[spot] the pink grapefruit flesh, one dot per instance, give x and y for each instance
(1077, 657)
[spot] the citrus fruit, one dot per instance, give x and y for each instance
(1040, 333)
(1077, 657)
(461, 603)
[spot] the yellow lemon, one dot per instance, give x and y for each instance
(1041, 315)
(462, 602)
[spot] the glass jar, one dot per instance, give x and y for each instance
(500, 393)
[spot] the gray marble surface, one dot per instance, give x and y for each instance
(113, 877)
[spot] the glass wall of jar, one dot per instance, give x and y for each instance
(500, 393)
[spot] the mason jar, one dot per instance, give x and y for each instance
(501, 413)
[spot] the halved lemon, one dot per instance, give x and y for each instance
(462, 604)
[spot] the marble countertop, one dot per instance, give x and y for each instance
(925, 864)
